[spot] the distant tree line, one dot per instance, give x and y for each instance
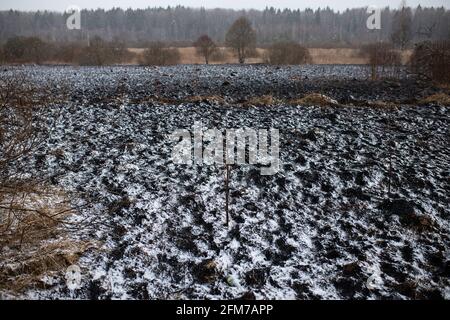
(240, 39)
(38, 51)
(181, 25)
(431, 58)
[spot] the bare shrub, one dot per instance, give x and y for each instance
(402, 26)
(33, 238)
(21, 102)
(36, 50)
(98, 53)
(205, 47)
(432, 60)
(241, 38)
(32, 215)
(68, 53)
(288, 53)
(382, 58)
(119, 52)
(17, 133)
(14, 49)
(157, 54)
(27, 50)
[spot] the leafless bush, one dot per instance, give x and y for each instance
(119, 52)
(21, 102)
(33, 236)
(18, 137)
(288, 53)
(205, 47)
(31, 213)
(382, 57)
(27, 50)
(68, 52)
(158, 54)
(98, 53)
(432, 60)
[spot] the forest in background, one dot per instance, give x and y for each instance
(180, 25)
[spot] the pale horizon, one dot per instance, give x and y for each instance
(55, 5)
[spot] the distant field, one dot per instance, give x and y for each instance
(319, 55)
(189, 56)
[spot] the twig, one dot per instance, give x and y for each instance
(227, 194)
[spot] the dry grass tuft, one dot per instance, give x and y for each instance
(315, 99)
(439, 98)
(33, 239)
(155, 100)
(33, 218)
(381, 104)
(206, 99)
(266, 100)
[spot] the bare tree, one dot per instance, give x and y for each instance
(402, 26)
(205, 47)
(242, 38)
(427, 31)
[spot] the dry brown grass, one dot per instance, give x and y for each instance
(189, 55)
(319, 56)
(346, 56)
(381, 104)
(336, 56)
(266, 100)
(439, 98)
(33, 238)
(208, 99)
(39, 262)
(32, 216)
(314, 99)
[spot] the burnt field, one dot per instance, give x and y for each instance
(359, 209)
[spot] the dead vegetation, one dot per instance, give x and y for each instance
(215, 99)
(205, 47)
(33, 237)
(432, 61)
(159, 54)
(439, 98)
(315, 99)
(288, 53)
(383, 59)
(33, 216)
(265, 100)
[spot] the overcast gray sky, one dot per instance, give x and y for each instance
(61, 5)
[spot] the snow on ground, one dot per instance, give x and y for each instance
(321, 228)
